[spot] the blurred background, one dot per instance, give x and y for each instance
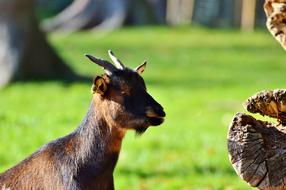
(205, 58)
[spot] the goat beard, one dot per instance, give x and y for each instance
(139, 131)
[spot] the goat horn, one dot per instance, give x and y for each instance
(108, 67)
(115, 60)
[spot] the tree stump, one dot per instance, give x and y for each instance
(257, 149)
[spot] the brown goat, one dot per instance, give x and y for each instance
(86, 158)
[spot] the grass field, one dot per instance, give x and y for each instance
(200, 76)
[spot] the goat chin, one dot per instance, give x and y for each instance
(155, 121)
(141, 130)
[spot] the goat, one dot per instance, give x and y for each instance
(86, 158)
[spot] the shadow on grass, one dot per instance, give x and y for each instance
(173, 83)
(65, 81)
(192, 83)
(196, 170)
(204, 170)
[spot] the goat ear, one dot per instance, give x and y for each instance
(140, 69)
(99, 86)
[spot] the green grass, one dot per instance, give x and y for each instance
(200, 76)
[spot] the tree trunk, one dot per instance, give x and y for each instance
(179, 11)
(103, 15)
(248, 15)
(24, 51)
(257, 149)
(82, 14)
(75, 17)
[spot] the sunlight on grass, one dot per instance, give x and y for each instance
(200, 76)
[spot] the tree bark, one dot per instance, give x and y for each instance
(276, 19)
(257, 149)
(24, 50)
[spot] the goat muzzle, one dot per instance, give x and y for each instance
(155, 116)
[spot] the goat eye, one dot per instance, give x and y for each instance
(125, 93)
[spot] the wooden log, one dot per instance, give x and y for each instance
(275, 11)
(257, 149)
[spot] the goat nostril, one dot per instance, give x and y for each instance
(150, 113)
(160, 112)
(155, 112)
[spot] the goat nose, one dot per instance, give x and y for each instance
(155, 112)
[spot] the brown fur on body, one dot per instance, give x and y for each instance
(84, 159)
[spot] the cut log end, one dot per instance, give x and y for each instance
(257, 149)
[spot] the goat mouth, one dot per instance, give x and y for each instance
(155, 121)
